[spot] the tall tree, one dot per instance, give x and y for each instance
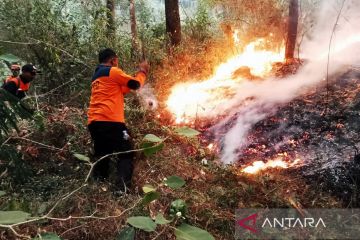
(110, 5)
(173, 25)
(292, 29)
(134, 40)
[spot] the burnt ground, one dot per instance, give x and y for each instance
(322, 129)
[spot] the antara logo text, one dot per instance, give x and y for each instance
(249, 223)
(293, 222)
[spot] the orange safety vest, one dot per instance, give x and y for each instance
(20, 85)
(109, 85)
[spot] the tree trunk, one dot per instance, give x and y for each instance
(110, 4)
(134, 40)
(292, 29)
(173, 25)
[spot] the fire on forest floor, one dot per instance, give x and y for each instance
(312, 133)
(316, 134)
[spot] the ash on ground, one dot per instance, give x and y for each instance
(322, 128)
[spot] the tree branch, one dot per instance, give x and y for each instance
(66, 196)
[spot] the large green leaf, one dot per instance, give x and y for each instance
(2, 193)
(150, 196)
(127, 233)
(187, 132)
(11, 217)
(48, 236)
(151, 148)
(187, 232)
(9, 58)
(160, 219)
(143, 223)
(152, 138)
(82, 157)
(174, 182)
(148, 188)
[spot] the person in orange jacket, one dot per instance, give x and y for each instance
(106, 121)
(19, 85)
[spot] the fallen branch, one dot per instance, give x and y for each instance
(66, 196)
(38, 143)
(46, 217)
(92, 165)
(20, 43)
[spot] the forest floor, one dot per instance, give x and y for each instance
(321, 126)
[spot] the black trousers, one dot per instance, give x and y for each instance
(111, 137)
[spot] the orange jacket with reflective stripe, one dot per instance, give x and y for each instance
(22, 86)
(109, 85)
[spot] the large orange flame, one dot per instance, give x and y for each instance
(190, 100)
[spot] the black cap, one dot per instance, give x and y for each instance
(106, 54)
(29, 68)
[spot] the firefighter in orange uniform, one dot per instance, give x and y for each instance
(19, 85)
(106, 121)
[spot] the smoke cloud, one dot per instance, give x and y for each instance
(147, 97)
(268, 95)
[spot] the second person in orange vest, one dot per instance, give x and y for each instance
(106, 120)
(19, 85)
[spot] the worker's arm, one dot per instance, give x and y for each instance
(125, 90)
(128, 81)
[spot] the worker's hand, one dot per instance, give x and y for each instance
(144, 67)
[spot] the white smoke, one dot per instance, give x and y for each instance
(147, 97)
(271, 93)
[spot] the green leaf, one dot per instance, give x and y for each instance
(187, 232)
(160, 219)
(187, 132)
(148, 188)
(9, 58)
(127, 233)
(2, 193)
(82, 157)
(174, 182)
(152, 138)
(149, 197)
(48, 236)
(143, 223)
(151, 148)
(11, 217)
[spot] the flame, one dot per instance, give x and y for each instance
(277, 163)
(236, 37)
(210, 146)
(190, 100)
